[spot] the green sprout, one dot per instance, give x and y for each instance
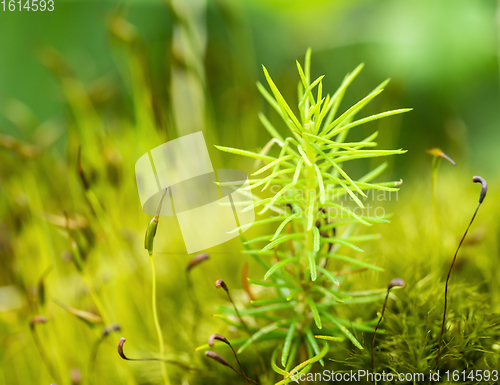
(310, 172)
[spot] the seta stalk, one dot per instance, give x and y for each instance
(148, 245)
(484, 188)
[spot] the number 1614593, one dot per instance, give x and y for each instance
(27, 5)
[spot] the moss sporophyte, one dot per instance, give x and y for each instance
(148, 245)
(484, 189)
(308, 169)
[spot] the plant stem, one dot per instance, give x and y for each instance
(446, 286)
(311, 186)
(376, 328)
(436, 162)
(157, 324)
(95, 298)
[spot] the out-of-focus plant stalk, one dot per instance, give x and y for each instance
(157, 323)
(148, 244)
(188, 83)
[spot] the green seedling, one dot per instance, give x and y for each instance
(308, 180)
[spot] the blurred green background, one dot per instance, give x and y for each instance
(119, 78)
(442, 57)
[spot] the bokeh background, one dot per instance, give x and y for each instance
(115, 79)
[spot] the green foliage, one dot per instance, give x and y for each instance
(119, 96)
(315, 152)
(412, 328)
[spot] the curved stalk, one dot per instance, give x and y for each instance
(148, 245)
(484, 188)
(157, 323)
